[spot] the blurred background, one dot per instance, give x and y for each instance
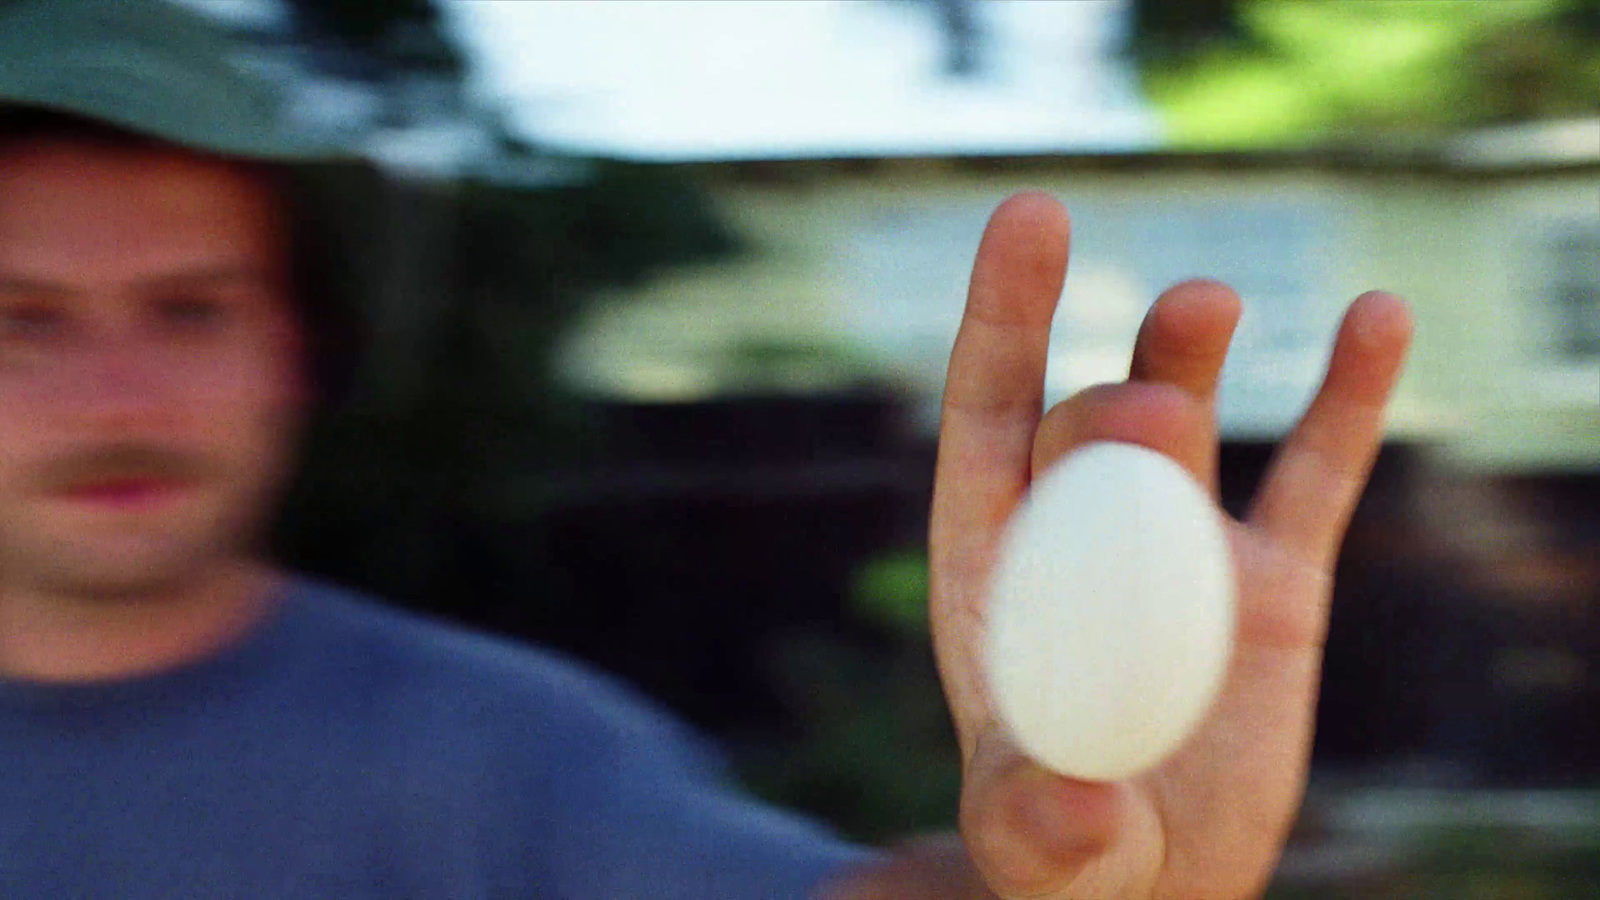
(670, 288)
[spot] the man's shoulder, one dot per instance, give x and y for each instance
(546, 762)
(444, 669)
(383, 639)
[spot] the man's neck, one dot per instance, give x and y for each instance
(54, 638)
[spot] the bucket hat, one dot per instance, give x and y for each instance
(152, 67)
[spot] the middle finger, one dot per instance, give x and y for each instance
(1184, 342)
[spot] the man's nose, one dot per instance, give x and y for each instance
(118, 376)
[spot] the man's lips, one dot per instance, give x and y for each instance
(126, 493)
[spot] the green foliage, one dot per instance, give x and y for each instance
(625, 222)
(892, 591)
(1169, 30)
(406, 33)
(1260, 73)
(366, 21)
(1467, 862)
(876, 755)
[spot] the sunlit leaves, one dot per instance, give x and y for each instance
(1284, 72)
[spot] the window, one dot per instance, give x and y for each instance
(1575, 290)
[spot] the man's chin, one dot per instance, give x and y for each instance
(118, 578)
(95, 557)
(121, 587)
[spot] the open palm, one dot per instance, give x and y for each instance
(1208, 823)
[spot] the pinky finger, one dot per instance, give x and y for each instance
(1311, 489)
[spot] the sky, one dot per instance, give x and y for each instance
(700, 80)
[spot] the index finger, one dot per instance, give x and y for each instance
(994, 390)
(994, 397)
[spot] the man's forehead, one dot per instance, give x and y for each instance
(90, 215)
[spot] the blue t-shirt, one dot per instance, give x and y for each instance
(345, 751)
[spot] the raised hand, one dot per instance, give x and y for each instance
(1210, 822)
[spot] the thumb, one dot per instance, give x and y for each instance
(934, 867)
(1030, 830)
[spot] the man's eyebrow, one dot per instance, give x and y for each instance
(225, 273)
(17, 284)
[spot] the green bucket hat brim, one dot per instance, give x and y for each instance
(153, 68)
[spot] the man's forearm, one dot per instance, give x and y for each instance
(928, 868)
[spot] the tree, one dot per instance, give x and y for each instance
(403, 489)
(1257, 73)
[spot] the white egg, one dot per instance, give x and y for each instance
(1111, 612)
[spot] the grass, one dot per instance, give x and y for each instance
(1467, 863)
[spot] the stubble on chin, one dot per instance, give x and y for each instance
(134, 563)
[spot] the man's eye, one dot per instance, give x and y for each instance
(192, 312)
(30, 323)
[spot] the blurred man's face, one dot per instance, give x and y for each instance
(149, 366)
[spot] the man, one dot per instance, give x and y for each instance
(180, 718)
